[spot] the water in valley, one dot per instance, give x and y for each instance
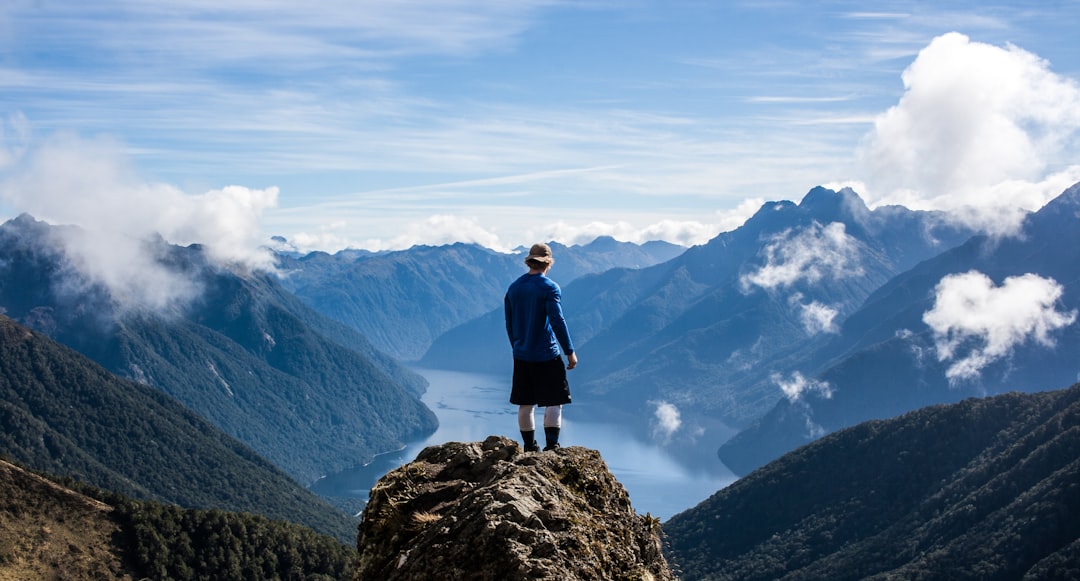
(471, 407)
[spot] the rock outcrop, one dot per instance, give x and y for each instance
(488, 510)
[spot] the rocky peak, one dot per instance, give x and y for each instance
(836, 206)
(488, 510)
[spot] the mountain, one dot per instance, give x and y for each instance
(66, 415)
(1004, 314)
(50, 531)
(403, 300)
(981, 489)
(487, 511)
(308, 393)
(716, 330)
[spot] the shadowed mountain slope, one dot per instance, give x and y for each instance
(306, 392)
(64, 414)
(986, 488)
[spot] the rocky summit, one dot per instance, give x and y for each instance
(489, 510)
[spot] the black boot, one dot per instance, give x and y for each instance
(552, 436)
(529, 437)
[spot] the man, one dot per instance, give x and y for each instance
(537, 331)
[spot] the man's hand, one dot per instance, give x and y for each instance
(571, 361)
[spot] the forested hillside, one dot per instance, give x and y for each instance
(48, 531)
(309, 394)
(987, 488)
(63, 414)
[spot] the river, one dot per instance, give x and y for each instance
(472, 406)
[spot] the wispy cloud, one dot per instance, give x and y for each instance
(797, 99)
(798, 385)
(976, 322)
(816, 317)
(877, 15)
(511, 102)
(70, 180)
(809, 254)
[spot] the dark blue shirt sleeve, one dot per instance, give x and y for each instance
(509, 316)
(558, 321)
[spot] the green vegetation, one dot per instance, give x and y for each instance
(84, 533)
(63, 414)
(166, 542)
(981, 489)
(305, 392)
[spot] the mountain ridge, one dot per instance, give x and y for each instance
(710, 330)
(980, 489)
(886, 361)
(66, 415)
(243, 352)
(403, 300)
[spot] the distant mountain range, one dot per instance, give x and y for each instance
(310, 394)
(811, 318)
(403, 300)
(717, 330)
(808, 318)
(992, 315)
(66, 415)
(981, 489)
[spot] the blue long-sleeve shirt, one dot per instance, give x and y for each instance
(534, 319)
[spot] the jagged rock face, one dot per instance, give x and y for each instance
(491, 511)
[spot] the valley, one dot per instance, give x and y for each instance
(698, 365)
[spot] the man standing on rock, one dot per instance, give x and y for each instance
(537, 330)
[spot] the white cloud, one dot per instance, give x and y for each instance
(972, 315)
(797, 385)
(809, 254)
(127, 267)
(980, 130)
(666, 420)
(328, 236)
(685, 233)
(815, 316)
(438, 230)
(290, 34)
(89, 183)
(449, 228)
(728, 220)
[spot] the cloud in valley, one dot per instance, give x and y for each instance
(980, 130)
(89, 183)
(666, 420)
(976, 323)
(816, 317)
(795, 388)
(797, 385)
(809, 254)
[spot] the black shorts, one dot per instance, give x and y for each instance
(540, 383)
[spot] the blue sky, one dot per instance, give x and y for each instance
(385, 124)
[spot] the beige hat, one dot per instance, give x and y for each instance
(540, 252)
